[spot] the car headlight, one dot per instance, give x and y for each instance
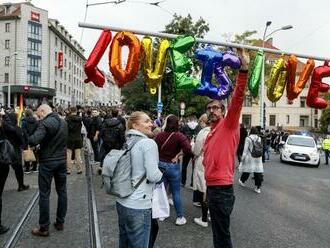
(314, 153)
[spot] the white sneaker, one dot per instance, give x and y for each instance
(199, 221)
(161, 219)
(241, 183)
(197, 204)
(180, 221)
(257, 190)
(170, 201)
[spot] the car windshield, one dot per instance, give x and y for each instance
(299, 141)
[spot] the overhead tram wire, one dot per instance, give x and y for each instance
(82, 30)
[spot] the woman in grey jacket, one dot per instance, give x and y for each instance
(250, 164)
(134, 211)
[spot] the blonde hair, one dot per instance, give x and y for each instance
(134, 118)
(203, 119)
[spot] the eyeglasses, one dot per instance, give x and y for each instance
(213, 108)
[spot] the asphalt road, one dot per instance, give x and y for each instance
(293, 210)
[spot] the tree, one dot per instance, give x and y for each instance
(325, 117)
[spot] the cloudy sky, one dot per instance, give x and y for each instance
(310, 19)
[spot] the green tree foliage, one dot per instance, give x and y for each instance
(325, 117)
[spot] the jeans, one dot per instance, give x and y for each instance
(221, 203)
(47, 171)
(4, 170)
(134, 227)
(172, 176)
(266, 152)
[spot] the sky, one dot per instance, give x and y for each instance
(310, 19)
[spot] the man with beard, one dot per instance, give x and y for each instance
(219, 157)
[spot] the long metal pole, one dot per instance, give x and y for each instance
(226, 44)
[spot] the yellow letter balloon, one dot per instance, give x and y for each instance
(153, 72)
(276, 81)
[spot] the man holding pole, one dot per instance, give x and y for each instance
(219, 157)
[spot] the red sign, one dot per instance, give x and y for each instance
(26, 88)
(35, 16)
(60, 60)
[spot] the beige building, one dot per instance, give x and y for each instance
(281, 114)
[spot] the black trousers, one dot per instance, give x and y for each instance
(185, 162)
(4, 170)
(153, 233)
(326, 156)
(18, 167)
(258, 178)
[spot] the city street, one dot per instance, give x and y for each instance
(291, 211)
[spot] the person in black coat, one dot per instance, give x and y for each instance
(51, 134)
(4, 171)
(242, 137)
(75, 141)
(29, 125)
(14, 134)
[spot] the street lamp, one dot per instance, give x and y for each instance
(9, 84)
(262, 104)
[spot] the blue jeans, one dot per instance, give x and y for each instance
(266, 152)
(134, 227)
(46, 173)
(221, 203)
(172, 176)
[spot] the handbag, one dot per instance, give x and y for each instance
(28, 155)
(160, 206)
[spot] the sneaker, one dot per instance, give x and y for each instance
(241, 183)
(27, 172)
(199, 221)
(162, 219)
(257, 190)
(3, 229)
(197, 204)
(170, 201)
(180, 221)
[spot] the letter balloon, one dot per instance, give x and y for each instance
(313, 99)
(153, 72)
(255, 75)
(277, 80)
(181, 64)
(293, 89)
(94, 74)
(122, 76)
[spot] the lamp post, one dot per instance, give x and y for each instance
(262, 103)
(9, 84)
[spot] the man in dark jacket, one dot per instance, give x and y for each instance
(112, 134)
(52, 135)
(243, 134)
(93, 133)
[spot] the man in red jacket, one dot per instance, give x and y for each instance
(219, 157)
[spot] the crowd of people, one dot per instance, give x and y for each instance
(162, 152)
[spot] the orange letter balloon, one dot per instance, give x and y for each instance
(294, 89)
(133, 62)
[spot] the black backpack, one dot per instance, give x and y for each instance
(257, 148)
(112, 137)
(7, 152)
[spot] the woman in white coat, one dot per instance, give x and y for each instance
(199, 179)
(250, 164)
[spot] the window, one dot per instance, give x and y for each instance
(65, 49)
(303, 120)
(61, 46)
(65, 75)
(272, 120)
(61, 73)
(7, 27)
(316, 123)
(7, 44)
(33, 78)
(316, 111)
(35, 30)
(302, 102)
(7, 59)
(247, 101)
(55, 86)
(55, 56)
(6, 78)
(69, 78)
(287, 119)
(246, 120)
(60, 87)
(69, 65)
(56, 41)
(65, 63)
(55, 70)
(34, 47)
(64, 89)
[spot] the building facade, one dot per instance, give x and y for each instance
(39, 58)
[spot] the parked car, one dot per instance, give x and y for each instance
(300, 149)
